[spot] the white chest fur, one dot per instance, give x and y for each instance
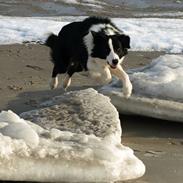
(99, 70)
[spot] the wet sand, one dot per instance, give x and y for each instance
(25, 71)
(114, 8)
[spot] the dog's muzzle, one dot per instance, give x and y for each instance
(114, 64)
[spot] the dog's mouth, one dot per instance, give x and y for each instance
(112, 66)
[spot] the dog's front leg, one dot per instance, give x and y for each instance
(98, 70)
(102, 76)
(123, 76)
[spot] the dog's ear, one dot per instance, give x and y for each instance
(125, 40)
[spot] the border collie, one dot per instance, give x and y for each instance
(95, 45)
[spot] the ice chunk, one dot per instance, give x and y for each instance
(85, 111)
(157, 89)
(17, 128)
(9, 116)
(79, 141)
(161, 79)
(21, 131)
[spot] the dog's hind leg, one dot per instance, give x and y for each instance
(54, 79)
(67, 81)
(74, 66)
(70, 71)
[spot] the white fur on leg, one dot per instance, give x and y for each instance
(106, 76)
(127, 90)
(123, 76)
(98, 70)
(67, 82)
(54, 83)
(102, 77)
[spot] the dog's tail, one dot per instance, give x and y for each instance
(51, 40)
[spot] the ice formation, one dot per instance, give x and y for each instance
(73, 138)
(157, 89)
(13, 126)
(147, 34)
(161, 79)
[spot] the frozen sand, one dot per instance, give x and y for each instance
(24, 87)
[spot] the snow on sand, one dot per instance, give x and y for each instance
(147, 34)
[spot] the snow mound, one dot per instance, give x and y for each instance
(15, 127)
(161, 79)
(74, 138)
(157, 89)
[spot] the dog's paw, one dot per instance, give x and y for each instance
(127, 90)
(53, 86)
(65, 87)
(53, 83)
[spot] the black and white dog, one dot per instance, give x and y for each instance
(95, 45)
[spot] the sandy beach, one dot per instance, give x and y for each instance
(25, 73)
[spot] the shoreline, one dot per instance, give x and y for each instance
(115, 8)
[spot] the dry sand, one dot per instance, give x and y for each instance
(25, 71)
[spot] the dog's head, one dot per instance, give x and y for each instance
(112, 48)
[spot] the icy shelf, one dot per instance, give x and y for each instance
(73, 138)
(157, 90)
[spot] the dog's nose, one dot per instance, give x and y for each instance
(115, 61)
